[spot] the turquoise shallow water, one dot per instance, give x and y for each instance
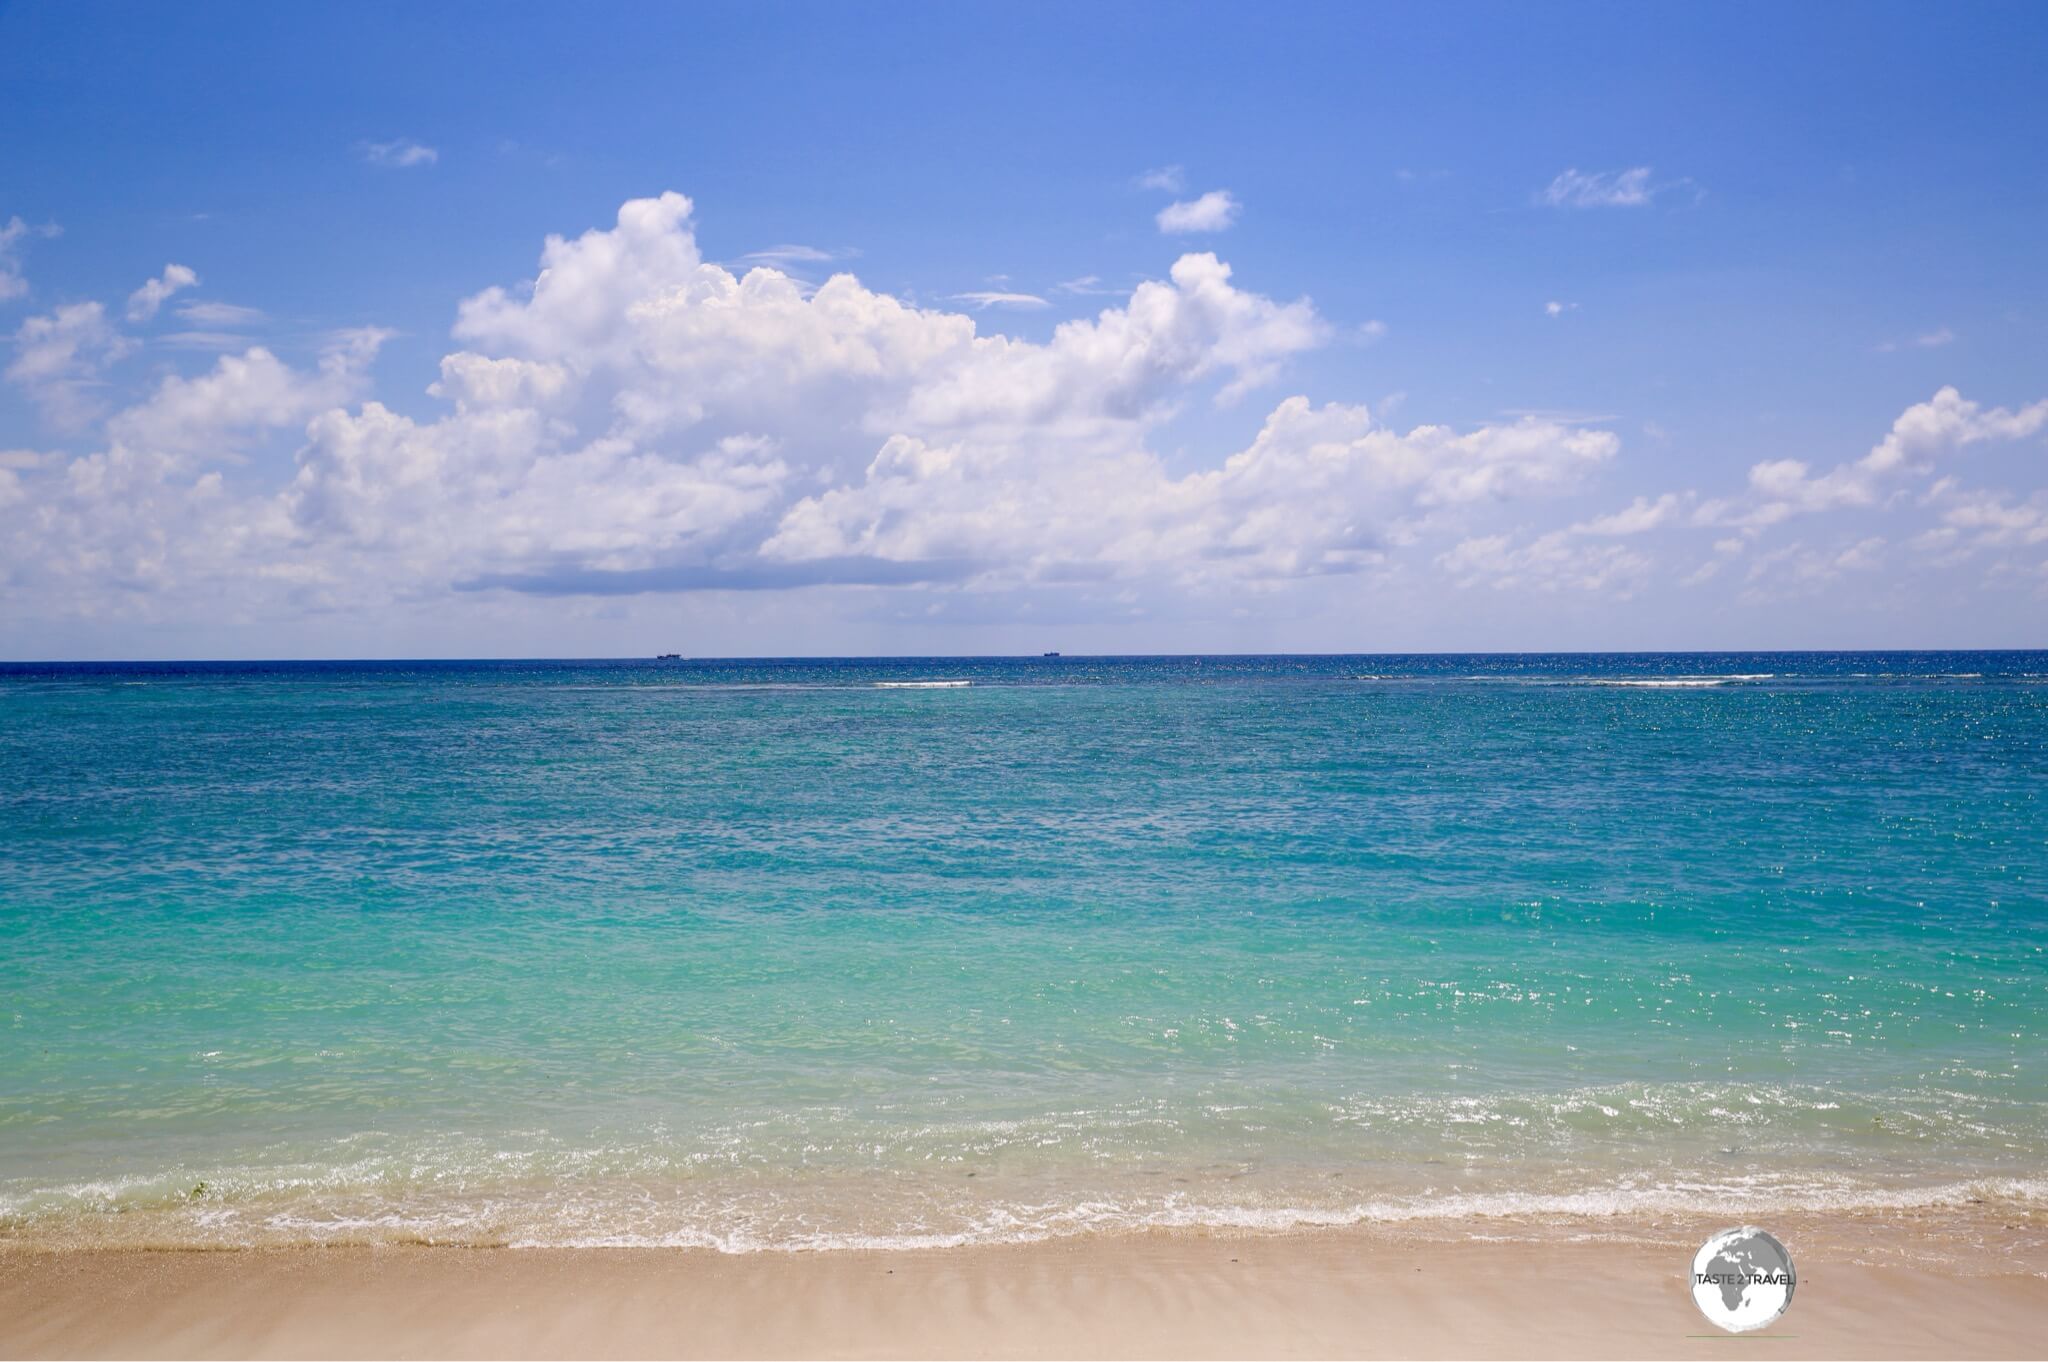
(773, 955)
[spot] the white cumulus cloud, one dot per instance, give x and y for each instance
(1550, 562)
(1639, 517)
(250, 392)
(144, 302)
(636, 418)
(13, 233)
(1213, 212)
(1780, 488)
(60, 357)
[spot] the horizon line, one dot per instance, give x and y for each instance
(1002, 657)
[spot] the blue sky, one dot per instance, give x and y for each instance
(1492, 327)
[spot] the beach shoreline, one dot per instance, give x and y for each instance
(1304, 1294)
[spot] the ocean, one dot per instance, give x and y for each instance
(764, 955)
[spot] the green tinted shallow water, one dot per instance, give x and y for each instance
(772, 955)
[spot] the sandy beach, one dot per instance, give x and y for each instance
(1335, 1294)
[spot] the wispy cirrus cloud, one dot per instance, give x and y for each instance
(1926, 340)
(1564, 416)
(1164, 179)
(400, 154)
(793, 254)
(202, 312)
(1630, 188)
(203, 340)
(983, 299)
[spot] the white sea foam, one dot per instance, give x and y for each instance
(763, 1220)
(922, 685)
(1032, 1223)
(1676, 682)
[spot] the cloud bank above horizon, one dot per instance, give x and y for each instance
(638, 421)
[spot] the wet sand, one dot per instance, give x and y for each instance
(1325, 1294)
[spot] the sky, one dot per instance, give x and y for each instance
(775, 329)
